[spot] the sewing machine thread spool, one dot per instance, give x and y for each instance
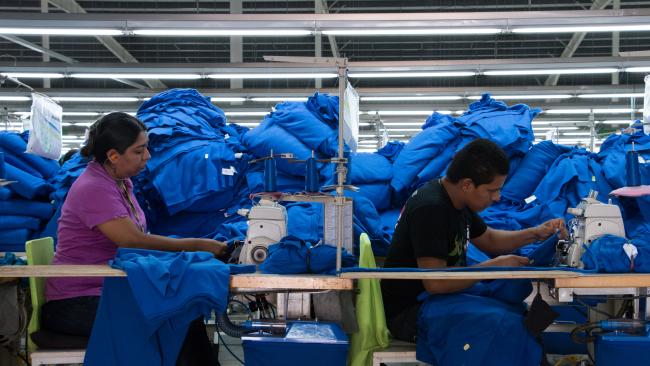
(632, 171)
(311, 174)
(270, 175)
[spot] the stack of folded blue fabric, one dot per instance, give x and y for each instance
(24, 205)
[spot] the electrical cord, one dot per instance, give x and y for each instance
(228, 348)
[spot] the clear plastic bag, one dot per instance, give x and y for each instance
(45, 127)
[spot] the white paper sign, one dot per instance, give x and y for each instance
(45, 127)
(351, 118)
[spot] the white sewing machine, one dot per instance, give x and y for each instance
(593, 219)
(267, 224)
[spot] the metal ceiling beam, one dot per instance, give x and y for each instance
(323, 8)
(479, 66)
(71, 6)
(318, 22)
(575, 41)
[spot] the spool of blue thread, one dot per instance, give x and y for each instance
(270, 175)
(632, 170)
(311, 175)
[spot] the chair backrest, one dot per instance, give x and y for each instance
(39, 252)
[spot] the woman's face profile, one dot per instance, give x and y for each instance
(134, 158)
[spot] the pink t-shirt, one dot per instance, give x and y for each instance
(93, 199)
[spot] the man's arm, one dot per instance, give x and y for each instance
(496, 242)
(450, 286)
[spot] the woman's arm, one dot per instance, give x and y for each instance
(125, 234)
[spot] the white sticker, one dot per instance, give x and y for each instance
(641, 160)
(239, 155)
(530, 199)
(226, 136)
(229, 171)
(207, 156)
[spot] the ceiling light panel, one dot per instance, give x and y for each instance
(412, 31)
(411, 74)
(584, 28)
(599, 70)
(223, 32)
(91, 32)
(137, 76)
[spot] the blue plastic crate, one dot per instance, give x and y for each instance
(614, 349)
(305, 343)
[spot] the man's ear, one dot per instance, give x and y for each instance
(466, 184)
(112, 155)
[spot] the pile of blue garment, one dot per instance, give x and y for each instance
(197, 165)
(607, 254)
(429, 152)
(24, 204)
(143, 319)
(192, 146)
(293, 255)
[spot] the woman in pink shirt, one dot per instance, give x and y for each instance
(100, 215)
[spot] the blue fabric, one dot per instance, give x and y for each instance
(424, 148)
(606, 254)
(292, 255)
(543, 254)
(391, 150)
(42, 210)
(13, 240)
(19, 222)
(17, 145)
(465, 329)
(325, 107)
(5, 193)
(366, 220)
(370, 168)
(143, 319)
(305, 221)
(612, 156)
(377, 193)
(20, 164)
(26, 185)
(10, 259)
(532, 169)
(389, 220)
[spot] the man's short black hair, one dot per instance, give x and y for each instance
(481, 161)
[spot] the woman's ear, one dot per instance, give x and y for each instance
(112, 155)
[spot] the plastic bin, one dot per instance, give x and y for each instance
(305, 343)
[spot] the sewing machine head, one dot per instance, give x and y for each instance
(267, 225)
(592, 220)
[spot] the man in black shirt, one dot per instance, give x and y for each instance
(438, 221)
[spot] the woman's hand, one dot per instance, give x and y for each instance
(509, 260)
(217, 248)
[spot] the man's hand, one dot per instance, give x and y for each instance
(509, 260)
(550, 227)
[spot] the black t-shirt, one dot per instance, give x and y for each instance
(429, 226)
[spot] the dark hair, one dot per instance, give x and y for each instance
(116, 130)
(481, 161)
(67, 156)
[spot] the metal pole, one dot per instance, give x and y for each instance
(592, 131)
(340, 166)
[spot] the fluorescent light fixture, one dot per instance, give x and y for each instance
(403, 123)
(96, 99)
(279, 99)
(561, 128)
(619, 95)
(414, 98)
(222, 32)
(546, 123)
(242, 114)
(275, 76)
(616, 122)
(33, 75)
(403, 130)
(587, 111)
(584, 28)
(411, 74)
(638, 69)
(138, 76)
(227, 99)
(526, 96)
(398, 113)
(411, 31)
(81, 114)
(396, 136)
(601, 70)
(70, 137)
(248, 124)
(366, 150)
(365, 124)
(576, 133)
(367, 136)
(83, 124)
(63, 31)
(14, 99)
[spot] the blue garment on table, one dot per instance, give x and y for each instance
(612, 157)
(305, 220)
(19, 222)
(466, 329)
(378, 193)
(543, 253)
(370, 168)
(606, 254)
(41, 210)
(389, 219)
(13, 240)
(532, 169)
(366, 220)
(5, 193)
(10, 259)
(52, 226)
(391, 150)
(20, 164)
(423, 148)
(292, 255)
(16, 144)
(26, 185)
(285, 182)
(325, 107)
(231, 230)
(143, 319)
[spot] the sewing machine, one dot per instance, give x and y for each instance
(593, 219)
(267, 224)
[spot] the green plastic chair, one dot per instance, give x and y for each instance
(39, 252)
